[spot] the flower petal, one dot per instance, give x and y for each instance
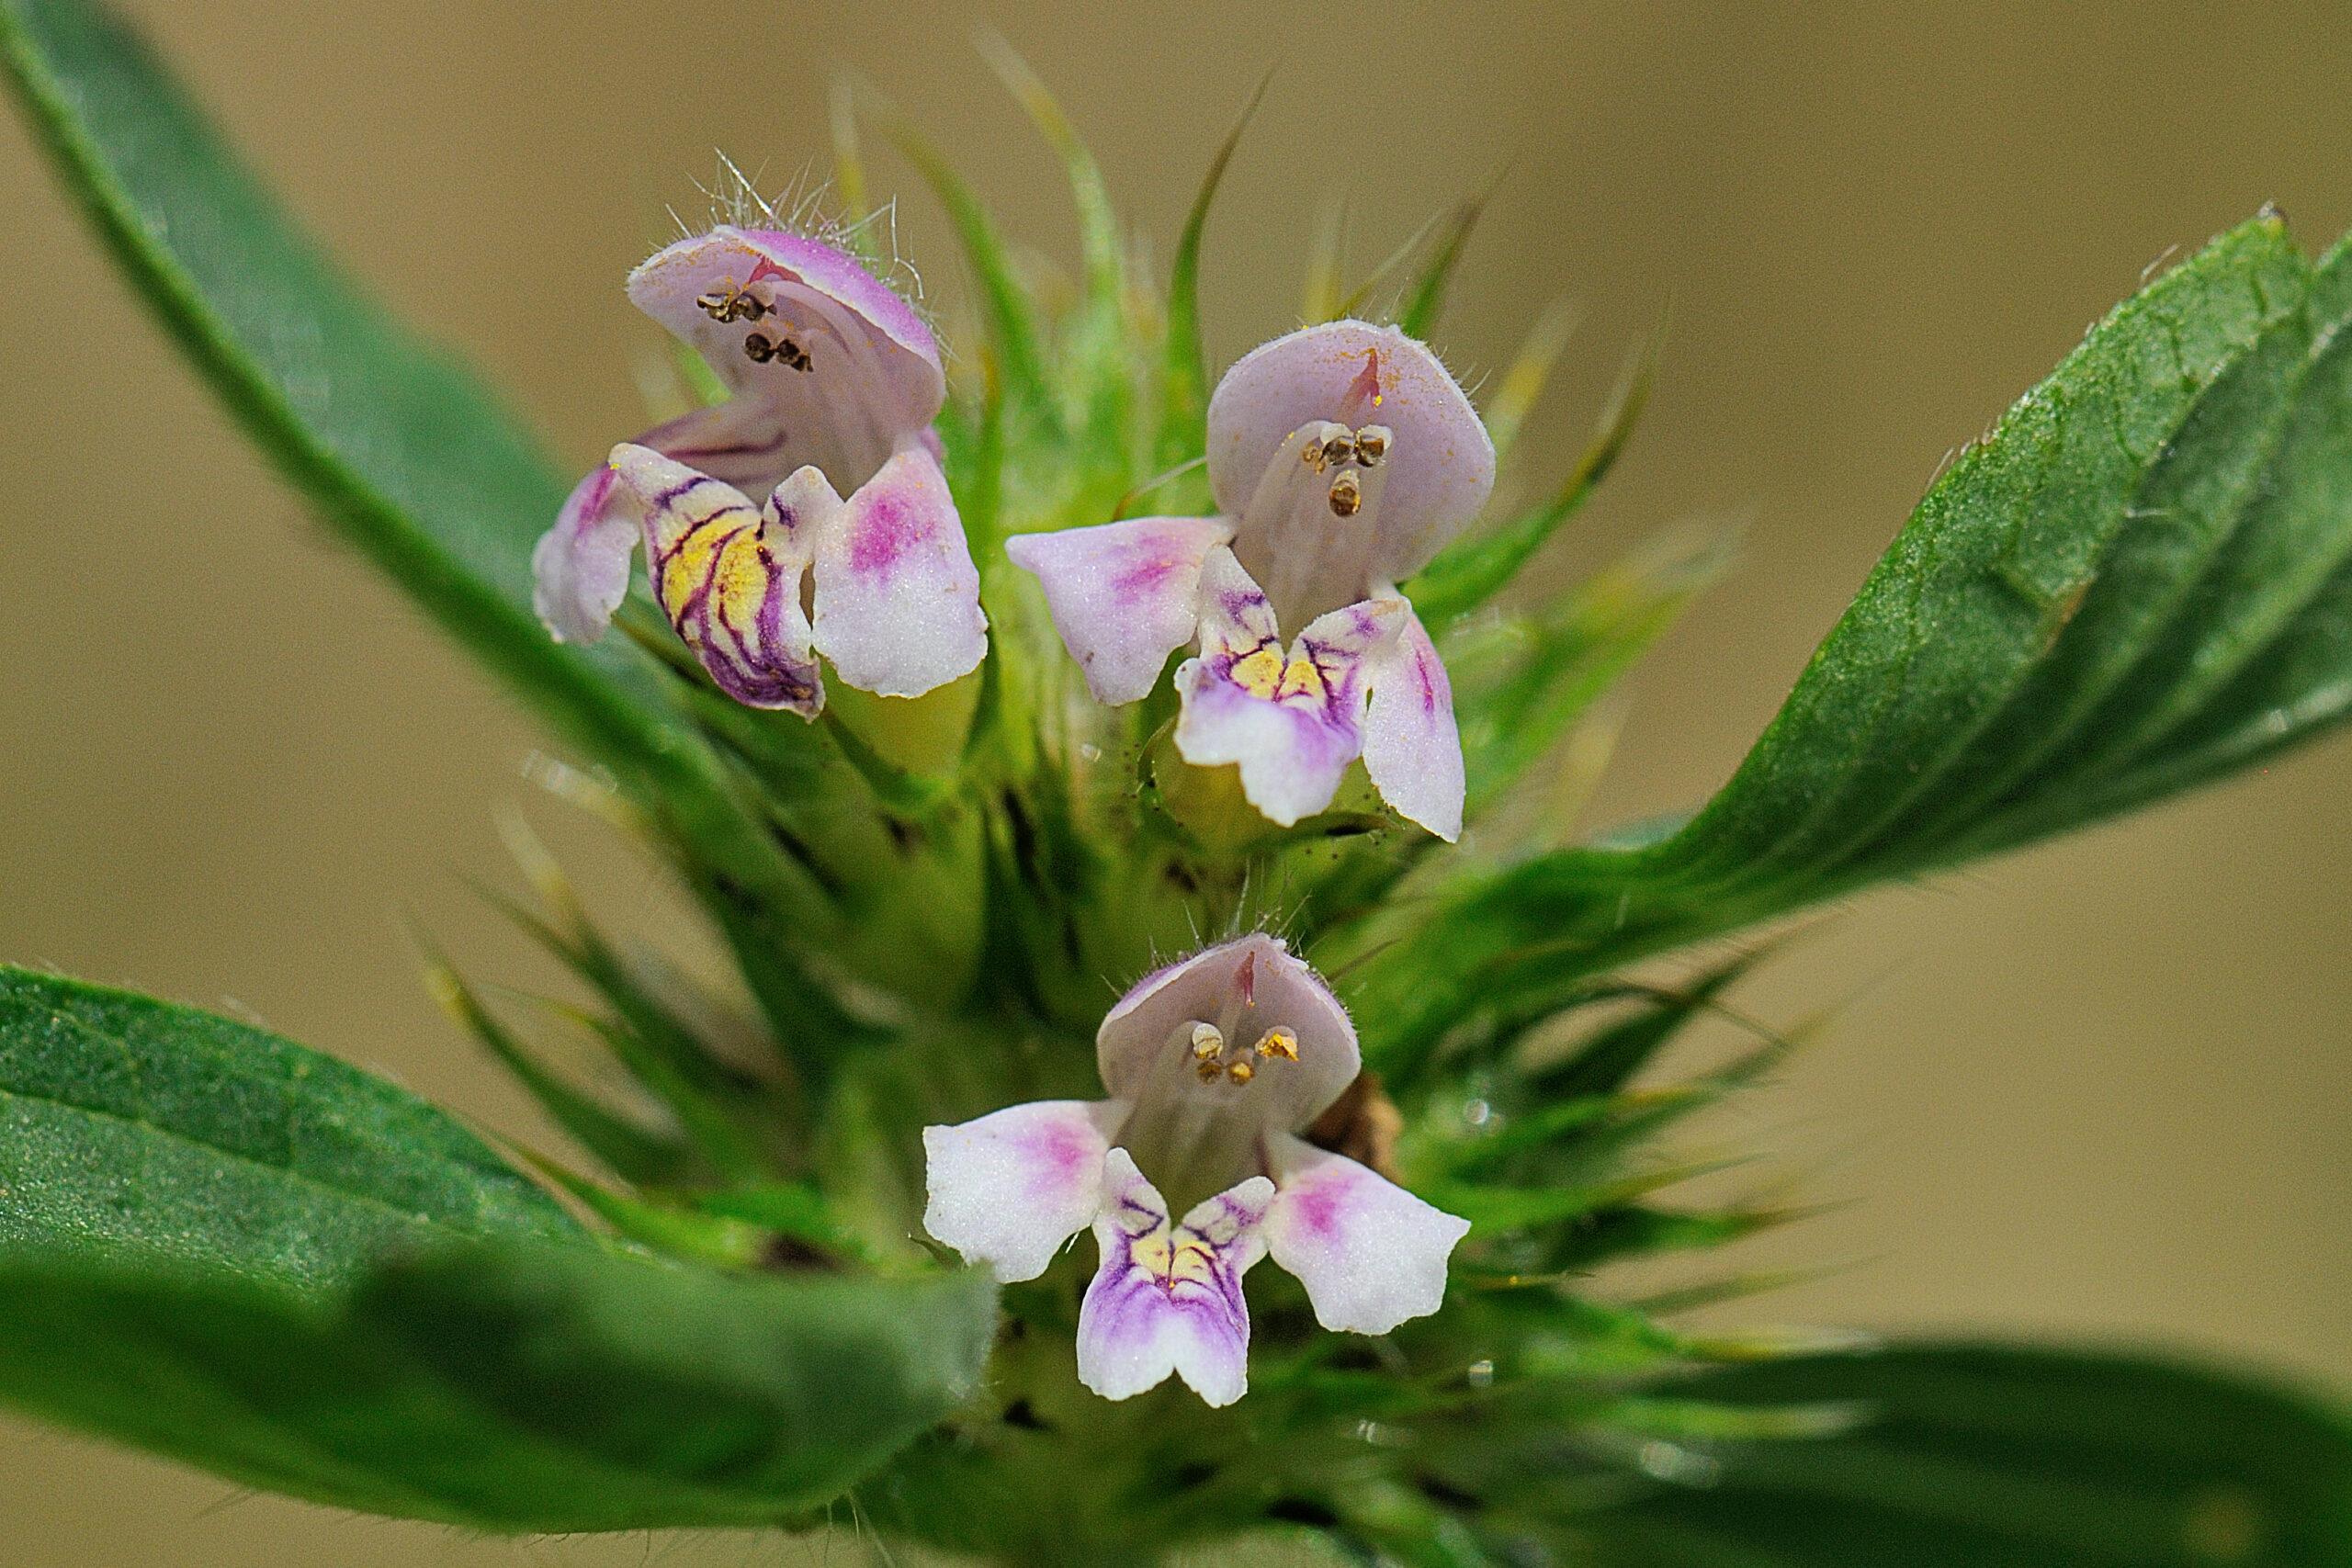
(826, 363)
(1010, 1188)
(1244, 987)
(1411, 747)
(1168, 1299)
(580, 566)
(728, 579)
(898, 597)
(1369, 1254)
(1123, 595)
(1440, 464)
(1292, 722)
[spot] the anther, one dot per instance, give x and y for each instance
(1241, 1072)
(1338, 449)
(757, 349)
(1208, 1041)
(1279, 1042)
(1345, 496)
(792, 354)
(1312, 456)
(1371, 444)
(1208, 1071)
(732, 304)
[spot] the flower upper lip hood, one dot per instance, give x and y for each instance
(1440, 464)
(1215, 1064)
(889, 383)
(836, 381)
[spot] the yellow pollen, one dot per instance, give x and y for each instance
(1241, 1072)
(1260, 672)
(1279, 1042)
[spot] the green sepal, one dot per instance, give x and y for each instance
(1473, 569)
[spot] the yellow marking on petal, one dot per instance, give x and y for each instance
(1194, 1262)
(1261, 672)
(1301, 678)
(690, 565)
(1153, 1252)
(741, 580)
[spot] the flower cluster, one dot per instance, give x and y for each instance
(1341, 457)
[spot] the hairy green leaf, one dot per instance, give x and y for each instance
(1974, 1456)
(135, 1129)
(504, 1388)
(2140, 580)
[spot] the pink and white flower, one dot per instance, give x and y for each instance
(1214, 1067)
(1342, 458)
(836, 381)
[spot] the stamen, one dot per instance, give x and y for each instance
(1338, 449)
(1241, 1072)
(1279, 1042)
(1346, 497)
(1208, 1041)
(1371, 444)
(792, 354)
(757, 349)
(732, 304)
(1208, 1071)
(1312, 456)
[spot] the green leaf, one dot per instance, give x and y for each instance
(1975, 1456)
(504, 1388)
(132, 1129)
(2140, 579)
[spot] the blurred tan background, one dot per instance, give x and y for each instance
(2101, 1088)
